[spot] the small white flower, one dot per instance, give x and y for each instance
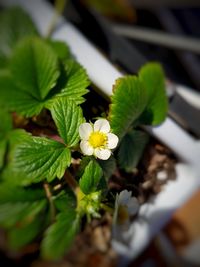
(122, 230)
(125, 206)
(97, 139)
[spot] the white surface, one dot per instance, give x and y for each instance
(103, 74)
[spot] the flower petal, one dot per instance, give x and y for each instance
(124, 197)
(102, 125)
(133, 206)
(112, 140)
(85, 130)
(101, 153)
(86, 148)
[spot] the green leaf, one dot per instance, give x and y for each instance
(131, 149)
(73, 82)
(3, 147)
(15, 24)
(128, 102)
(11, 213)
(60, 48)
(41, 158)
(5, 128)
(65, 200)
(14, 99)
(153, 78)
(91, 177)
(5, 123)
(67, 117)
(60, 235)
(17, 136)
(13, 194)
(22, 235)
(9, 174)
(34, 67)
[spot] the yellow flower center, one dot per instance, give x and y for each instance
(98, 139)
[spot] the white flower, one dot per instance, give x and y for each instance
(97, 139)
(125, 206)
(122, 229)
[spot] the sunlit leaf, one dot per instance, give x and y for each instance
(73, 82)
(67, 117)
(41, 158)
(152, 76)
(128, 102)
(34, 67)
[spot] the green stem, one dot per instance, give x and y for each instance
(59, 8)
(50, 199)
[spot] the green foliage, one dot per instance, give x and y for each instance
(128, 103)
(91, 177)
(60, 235)
(60, 48)
(134, 142)
(36, 78)
(3, 146)
(13, 212)
(152, 77)
(20, 210)
(24, 234)
(67, 117)
(73, 82)
(15, 24)
(10, 193)
(34, 67)
(65, 200)
(17, 100)
(6, 123)
(42, 88)
(142, 99)
(41, 158)
(5, 128)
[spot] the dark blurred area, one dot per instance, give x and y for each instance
(181, 60)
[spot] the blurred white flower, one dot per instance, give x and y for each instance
(97, 140)
(125, 207)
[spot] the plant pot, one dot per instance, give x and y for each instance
(158, 211)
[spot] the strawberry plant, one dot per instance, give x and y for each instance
(54, 164)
